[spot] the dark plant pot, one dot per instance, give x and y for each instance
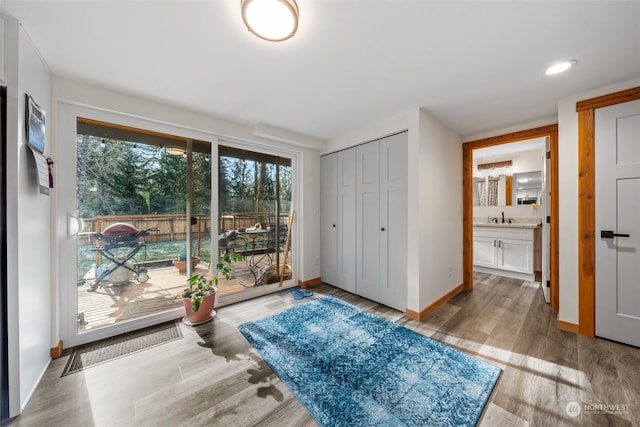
(204, 312)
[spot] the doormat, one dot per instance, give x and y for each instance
(352, 368)
(102, 351)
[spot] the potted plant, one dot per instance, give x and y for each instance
(199, 296)
(181, 262)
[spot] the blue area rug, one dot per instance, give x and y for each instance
(352, 368)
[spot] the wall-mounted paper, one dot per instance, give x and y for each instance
(35, 122)
(43, 171)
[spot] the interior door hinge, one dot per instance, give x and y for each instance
(548, 283)
(548, 220)
(548, 154)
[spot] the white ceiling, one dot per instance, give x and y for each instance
(477, 65)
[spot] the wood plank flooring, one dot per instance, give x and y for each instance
(214, 377)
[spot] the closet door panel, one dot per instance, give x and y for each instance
(368, 220)
(393, 221)
(328, 219)
(346, 245)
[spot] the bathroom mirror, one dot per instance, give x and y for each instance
(509, 174)
(527, 188)
(523, 188)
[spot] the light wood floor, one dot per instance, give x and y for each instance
(214, 377)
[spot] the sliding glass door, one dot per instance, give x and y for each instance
(140, 209)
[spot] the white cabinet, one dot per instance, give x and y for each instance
(338, 219)
(364, 220)
(516, 255)
(484, 252)
(504, 251)
(381, 206)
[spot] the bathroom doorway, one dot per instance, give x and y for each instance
(490, 185)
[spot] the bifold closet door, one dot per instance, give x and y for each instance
(393, 221)
(381, 170)
(338, 219)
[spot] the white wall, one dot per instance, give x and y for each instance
(434, 188)
(440, 217)
(524, 161)
(568, 188)
(528, 161)
(29, 225)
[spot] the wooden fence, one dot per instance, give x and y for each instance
(174, 226)
(170, 226)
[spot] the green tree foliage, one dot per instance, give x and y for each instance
(126, 178)
(169, 185)
(250, 186)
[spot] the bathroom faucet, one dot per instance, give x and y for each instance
(503, 217)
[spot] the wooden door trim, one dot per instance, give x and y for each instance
(587, 203)
(551, 132)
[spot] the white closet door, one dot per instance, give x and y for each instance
(393, 221)
(328, 219)
(368, 220)
(346, 236)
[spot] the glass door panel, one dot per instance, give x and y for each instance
(132, 203)
(254, 200)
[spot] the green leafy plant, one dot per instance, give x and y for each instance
(199, 286)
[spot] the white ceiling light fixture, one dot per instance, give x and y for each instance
(560, 67)
(271, 20)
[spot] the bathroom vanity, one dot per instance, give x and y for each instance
(506, 249)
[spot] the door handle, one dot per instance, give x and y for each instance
(608, 234)
(74, 225)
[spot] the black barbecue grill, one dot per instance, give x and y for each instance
(115, 237)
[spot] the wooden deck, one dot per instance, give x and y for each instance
(110, 304)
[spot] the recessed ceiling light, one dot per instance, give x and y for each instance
(560, 67)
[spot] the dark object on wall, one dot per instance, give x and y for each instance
(50, 165)
(4, 331)
(34, 122)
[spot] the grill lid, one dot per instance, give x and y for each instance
(120, 229)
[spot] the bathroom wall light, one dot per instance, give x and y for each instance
(271, 20)
(560, 67)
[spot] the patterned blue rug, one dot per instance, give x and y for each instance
(352, 368)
